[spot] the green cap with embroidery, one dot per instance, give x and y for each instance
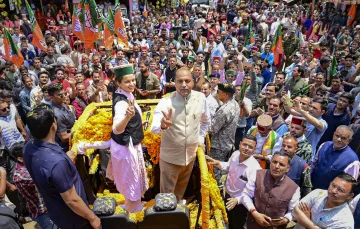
(123, 70)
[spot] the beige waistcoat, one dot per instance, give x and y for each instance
(179, 143)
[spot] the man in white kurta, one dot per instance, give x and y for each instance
(183, 119)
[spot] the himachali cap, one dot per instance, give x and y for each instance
(123, 70)
(231, 72)
(144, 48)
(216, 58)
(255, 48)
(191, 58)
(298, 121)
(264, 120)
(226, 87)
(184, 32)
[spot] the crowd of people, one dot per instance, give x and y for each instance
(283, 127)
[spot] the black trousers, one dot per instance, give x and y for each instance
(237, 216)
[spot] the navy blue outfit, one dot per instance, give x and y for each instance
(334, 121)
(53, 173)
(330, 162)
(297, 167)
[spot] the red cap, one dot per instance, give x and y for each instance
(298, 121)
(216, 58)
(255, 48)
(144, 48)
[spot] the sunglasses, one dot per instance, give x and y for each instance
(5, 108)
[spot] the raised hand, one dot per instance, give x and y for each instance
(166, 120)
(130, 111)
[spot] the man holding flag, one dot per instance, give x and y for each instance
(38, 38)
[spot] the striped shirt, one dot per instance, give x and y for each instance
(339, 217)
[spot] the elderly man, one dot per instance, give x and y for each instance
(327, 208)
(270, 195)
(333, 158)
(223, 126)
(240, 167)
(183, 119)
(299, 170)
(266, 139)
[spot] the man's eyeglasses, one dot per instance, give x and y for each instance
(5, 108)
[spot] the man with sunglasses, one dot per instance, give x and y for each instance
(64, 117)
(9, 132)
(327, 208)
(334, 157)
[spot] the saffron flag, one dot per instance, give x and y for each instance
(119, 24)
(38, 38)
(92, 20)
(109, 30)
(250, 39)
(351, 15)
(12, 53)
(277, 46)
(146, 10)
(77, 28)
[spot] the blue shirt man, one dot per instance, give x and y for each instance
(55, 175)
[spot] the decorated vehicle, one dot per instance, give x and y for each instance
(205, 206)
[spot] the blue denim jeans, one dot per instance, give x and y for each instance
(45, 222)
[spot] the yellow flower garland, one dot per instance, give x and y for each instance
(94, 165)
(120, 199)
(204, 188)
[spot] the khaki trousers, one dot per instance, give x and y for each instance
(174, 178)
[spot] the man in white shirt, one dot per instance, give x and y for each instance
(240, 166)
(327, 208)
(270, 195)
(183, 119)
(210, 100)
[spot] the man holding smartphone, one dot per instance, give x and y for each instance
(270, 195)
(147, 83)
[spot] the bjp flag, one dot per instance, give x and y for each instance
(12, 52)
(77, 28)
(38, 38)
(109, 30)
(92, 20)
(351, 15)
(119, 24)
(277, 47)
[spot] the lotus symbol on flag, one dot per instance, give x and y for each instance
(122, 32)
(77, 25)
(42, 43)
(88, 23)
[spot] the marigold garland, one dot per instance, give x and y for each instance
(94, 165)
(204, 188)
(120, 199)
(95, 124)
